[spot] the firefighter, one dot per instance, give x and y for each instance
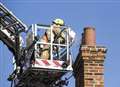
(57, 37)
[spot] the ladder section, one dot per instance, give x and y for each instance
(10, 27)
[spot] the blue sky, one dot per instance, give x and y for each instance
(104, 15)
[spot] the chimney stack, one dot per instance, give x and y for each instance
(88, 67)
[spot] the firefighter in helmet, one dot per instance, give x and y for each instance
(57, 37)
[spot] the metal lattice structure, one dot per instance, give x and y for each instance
(10, 25)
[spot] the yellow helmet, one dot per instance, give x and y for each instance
(58, 22)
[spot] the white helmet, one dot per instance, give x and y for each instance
(58, 21)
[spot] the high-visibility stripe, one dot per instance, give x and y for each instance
(56, 63)
(36, 62)
(48, 63)
(45, 62)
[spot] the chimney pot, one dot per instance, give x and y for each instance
(89, 36)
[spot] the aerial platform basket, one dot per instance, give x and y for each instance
(57, 60)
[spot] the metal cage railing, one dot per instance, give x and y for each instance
(64, 49)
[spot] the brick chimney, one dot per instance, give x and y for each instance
(88, 67)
